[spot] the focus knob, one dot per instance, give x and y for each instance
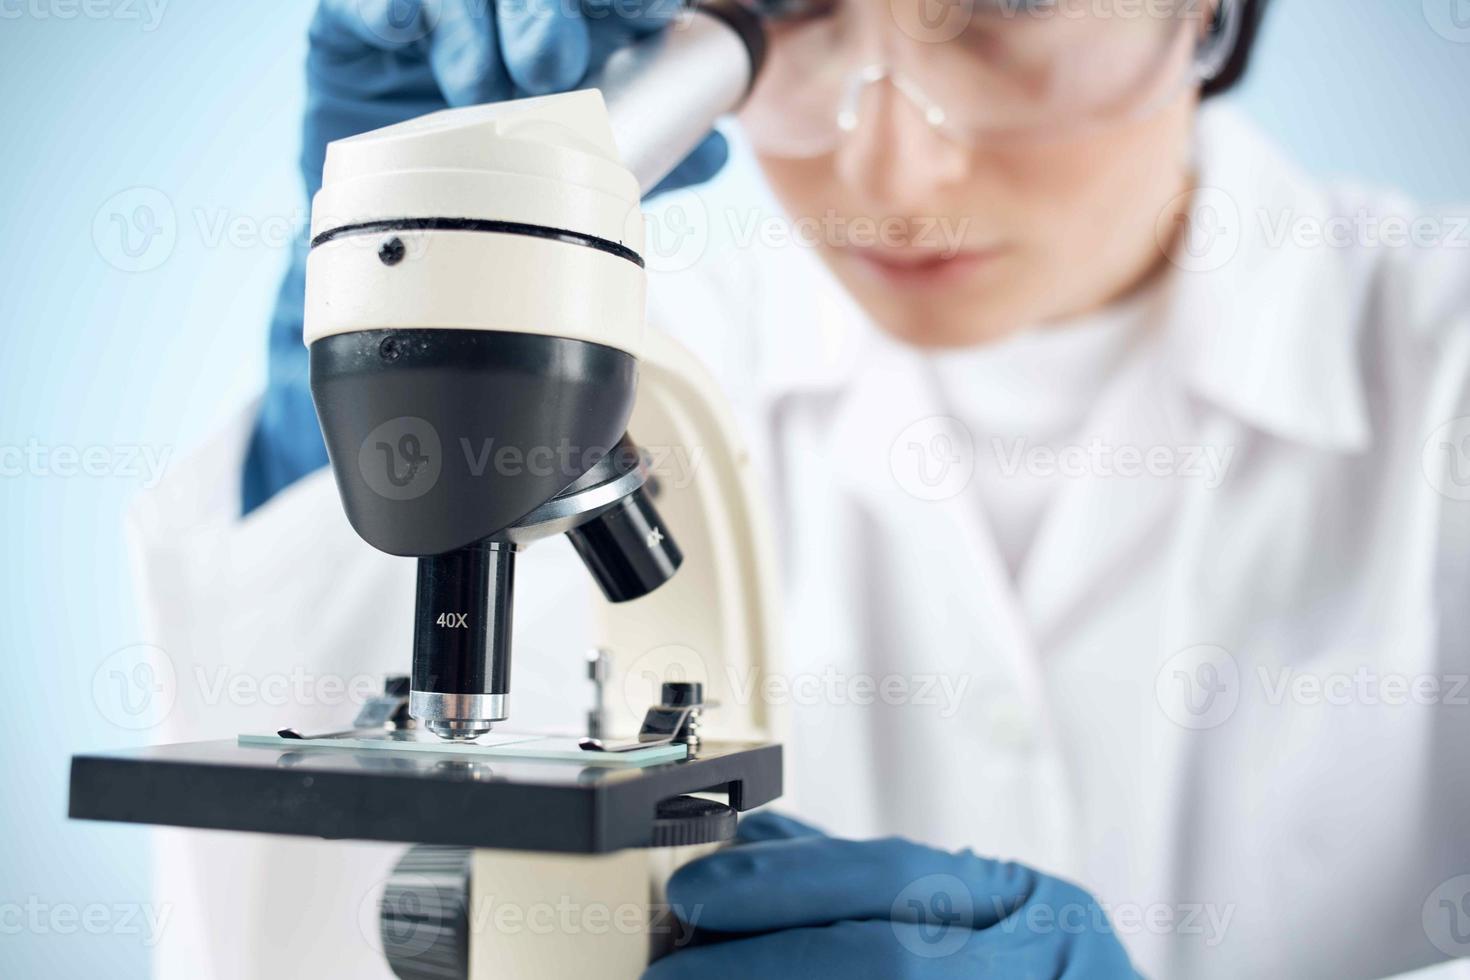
(685, 820)
(423, 917)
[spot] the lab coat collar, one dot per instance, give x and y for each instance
(1266, 330)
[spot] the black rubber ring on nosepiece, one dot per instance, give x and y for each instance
(481, 225)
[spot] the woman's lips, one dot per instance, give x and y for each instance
(922, 266)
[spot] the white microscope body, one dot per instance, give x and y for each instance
(524, 218)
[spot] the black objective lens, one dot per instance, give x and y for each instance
(628, 549)
(461, 643)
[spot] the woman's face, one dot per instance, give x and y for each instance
(969, 238)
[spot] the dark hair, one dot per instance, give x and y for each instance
(1234, 70)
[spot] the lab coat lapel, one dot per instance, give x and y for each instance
(897, 453)
(1130, 461)
(1239, 330)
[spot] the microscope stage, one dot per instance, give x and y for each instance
(493, 798)
(540, 748)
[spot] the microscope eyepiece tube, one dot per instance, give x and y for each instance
(666, 92)
(461, 642)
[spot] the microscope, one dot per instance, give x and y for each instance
(484, 380)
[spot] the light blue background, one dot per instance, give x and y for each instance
(201, 105)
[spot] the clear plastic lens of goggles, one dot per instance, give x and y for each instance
(996, 70)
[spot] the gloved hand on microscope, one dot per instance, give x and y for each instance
(790, 901)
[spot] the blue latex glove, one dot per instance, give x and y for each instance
(373, 63)
(791, 902)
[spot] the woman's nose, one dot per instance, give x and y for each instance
(893, 153)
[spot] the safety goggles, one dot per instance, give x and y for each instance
(979, 70)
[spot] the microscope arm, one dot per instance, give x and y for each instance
(713, 622)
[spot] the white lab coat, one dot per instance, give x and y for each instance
(1200, 701)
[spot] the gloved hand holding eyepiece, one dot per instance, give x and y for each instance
(374, 63)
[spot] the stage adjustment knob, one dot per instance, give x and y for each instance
(423, 917)
(691, 820)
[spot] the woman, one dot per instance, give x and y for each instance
(1143, 498)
